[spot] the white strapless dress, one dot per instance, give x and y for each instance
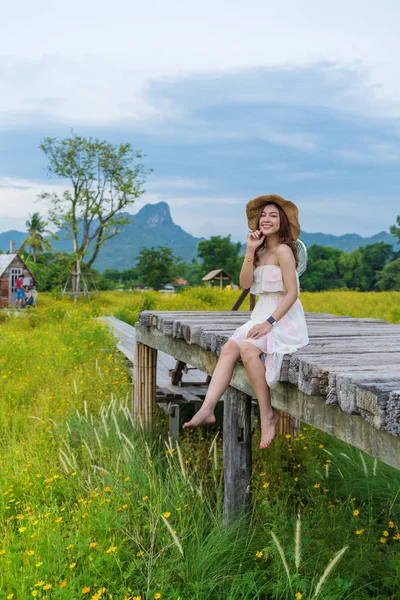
(288, 335)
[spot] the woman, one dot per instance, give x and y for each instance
(277, 324)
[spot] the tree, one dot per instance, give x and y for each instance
(323, 269)
(158, 266)
(394, 230)
(104, 181)
(389, 277)
(220, 253)
(36, 241)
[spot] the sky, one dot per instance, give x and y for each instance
(228, 100)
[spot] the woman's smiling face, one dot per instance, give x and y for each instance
(270, 221)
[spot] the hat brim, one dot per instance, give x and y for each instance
(253, 208)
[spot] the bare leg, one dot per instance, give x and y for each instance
(220, 380)
(256, 373)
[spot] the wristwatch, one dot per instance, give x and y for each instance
(272, 321)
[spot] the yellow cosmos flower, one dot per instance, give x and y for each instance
(2, 552)
(39, 564)
(359, 531)
(72, 565)
(383, 540)
(386, 533)
(259, 554)
(63, 584)
(30, 552)
(298, 596)
(111, 549)
(166, 515)
(48, 586)
(34, 593)
(86, 590)
(145, 498)
(39, 584)
(140, 553)
(317, 485)
(157, 596)
(391, 524)
(21, 529)
(10, 596)
(59, 519)
(92, 544)
(356, 513)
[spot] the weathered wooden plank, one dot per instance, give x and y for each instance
(237, 454)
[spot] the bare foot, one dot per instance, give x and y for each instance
(268, 430)
(202, 417)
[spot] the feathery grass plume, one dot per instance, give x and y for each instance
(117, 465)
(116, 424)
(181, 463)
(100, 469)
(174, 536)
(374, 467)
(66, 459)
(68, 427)
(88, 449)
(363, 464)
(78, 414)
(330, 453)
(72, 455)
(345, 455)
(63, 464)
(328, 569)
(327, 470)
(282, 555)
(75, 387)
(147, 448)
(215, 457)
(91, 420)
(85, 409)
(340, 473)
(128, 441)
(297, 549)
(103, 420)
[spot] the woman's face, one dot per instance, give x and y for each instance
(270, 221)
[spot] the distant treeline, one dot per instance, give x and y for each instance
(370, 268)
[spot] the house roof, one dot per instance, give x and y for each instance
(220, 273)
(6, 260)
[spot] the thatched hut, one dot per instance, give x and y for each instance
(219, 275)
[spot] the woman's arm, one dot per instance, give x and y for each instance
(287, 264)
(246, 277)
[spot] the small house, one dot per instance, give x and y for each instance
(11, 267)
(218, 275)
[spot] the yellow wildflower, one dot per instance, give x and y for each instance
(145, 498)
(382, 540)
(157, 596)
(298, 596)
(72, 565)
(111, 549)
(140, 553)
(39, 564)
(391, 524)
(86, 590)
(63, 584)
(30, 552)
(356, 513)
(59, 519)
(21, 529)
(359, 531)
(166, 515)
(69, 546)
(397, 536)
(34, 593)
(259, 554)
(39, 584)
(321, 446)
(48, 586)
(10, 596)
(2, 552)
(92, 544)
(317, 485)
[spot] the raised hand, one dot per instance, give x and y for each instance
(254, 240)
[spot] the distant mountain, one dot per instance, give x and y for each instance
(153, 226)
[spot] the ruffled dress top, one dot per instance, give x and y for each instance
(287, 336)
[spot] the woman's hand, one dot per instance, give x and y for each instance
(254, 240)
(258, 330)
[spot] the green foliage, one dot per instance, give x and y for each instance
(323, 269)
(395, 229)
(220, 253)
(103, 181)
(36, 241)
(389, 277)
(158, 266)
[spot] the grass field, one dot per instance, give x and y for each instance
(90, 508)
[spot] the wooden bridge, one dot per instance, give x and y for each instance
(346, 382)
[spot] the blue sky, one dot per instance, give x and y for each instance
(227, 104)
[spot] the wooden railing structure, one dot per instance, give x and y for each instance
(346, 382)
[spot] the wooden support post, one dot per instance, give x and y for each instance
(174, 414)
(237, 454)
(144, 393)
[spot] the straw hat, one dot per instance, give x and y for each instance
(253, 209)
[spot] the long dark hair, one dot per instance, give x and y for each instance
(285, 233)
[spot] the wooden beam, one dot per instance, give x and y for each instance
(237, 454)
